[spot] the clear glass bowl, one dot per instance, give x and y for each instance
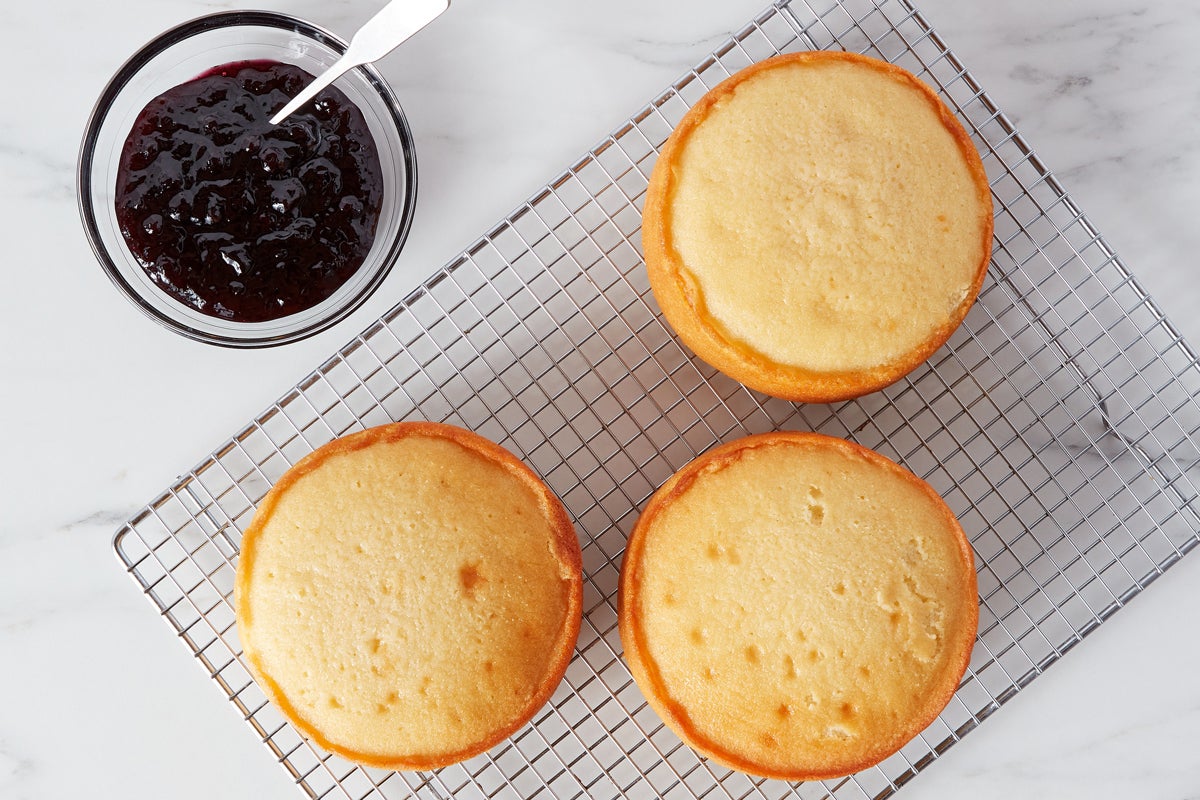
(185, 52)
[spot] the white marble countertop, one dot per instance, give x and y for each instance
(103, 408)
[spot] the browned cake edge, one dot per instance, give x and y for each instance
(682, 301)
(565, 547)
(646, 672)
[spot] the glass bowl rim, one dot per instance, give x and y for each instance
(133, 66)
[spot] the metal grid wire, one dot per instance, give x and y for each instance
(1060, 423)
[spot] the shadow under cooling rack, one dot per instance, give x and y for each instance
(1060, 424)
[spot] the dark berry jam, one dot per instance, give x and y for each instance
(241, 219)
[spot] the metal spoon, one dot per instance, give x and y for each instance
(383, 33)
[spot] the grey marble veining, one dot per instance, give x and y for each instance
(1106, 93)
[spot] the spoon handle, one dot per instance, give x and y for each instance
(391, 26)
(383, 33)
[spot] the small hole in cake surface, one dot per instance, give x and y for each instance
(789, 667)
(708, 674)
(769, 741)
(374, 644)
(469, 579)
(697, 636)
(753, 654)
(847, 711)
(816, 514)
(839, 588)
(488, 666)
(815, 655)
(783, 711)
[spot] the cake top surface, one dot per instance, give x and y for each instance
(800, 606)
(829, 212)
(409, 595)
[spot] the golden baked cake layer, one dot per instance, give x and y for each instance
(796, 606)
(409, 595)
(817, 225)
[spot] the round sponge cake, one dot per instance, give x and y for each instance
(409, 595)
(796, 606)
(817, 225)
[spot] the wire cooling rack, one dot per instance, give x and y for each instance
(1060, 424)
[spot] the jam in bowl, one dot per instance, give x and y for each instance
(223, 227)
